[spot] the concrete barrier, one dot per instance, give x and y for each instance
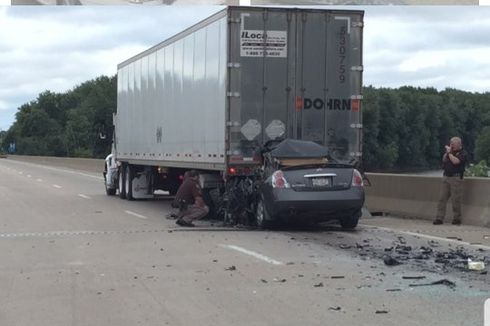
(417, 196)
(82, 164)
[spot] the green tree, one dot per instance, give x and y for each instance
(482, 150)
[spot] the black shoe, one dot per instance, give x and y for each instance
(456, 222)
(437, 222)
(181, 222)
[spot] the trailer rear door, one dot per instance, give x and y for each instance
(294, 73)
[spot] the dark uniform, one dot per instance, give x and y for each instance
(452, 186)
(188, 192)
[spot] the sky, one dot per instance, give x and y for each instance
(58, 47)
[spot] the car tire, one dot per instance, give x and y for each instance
(350, 222)
(262, 216)
(129, 175)
(121, 182)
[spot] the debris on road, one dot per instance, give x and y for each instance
(381, 311)
(454, 238)
(319, 285)
(393, 290)
(337, 277)
(337, 308)
(390, 261)
(433, 243)
(475, 265)
(413, 277)
(439, 282)
(263, 281)
(231, 268)
(279, 280)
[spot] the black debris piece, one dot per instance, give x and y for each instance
(389, 249)
(421, 256)
(337, 277)
(433, 243)
(231, 268)
(381, 311)
(413, 277)
(335, 308)
(403, 250)
(402, 240)
(439, 282)
(280, 280)
(390, 261)
(425, 250)
(263, 281)
(393, 290)
(319, 285)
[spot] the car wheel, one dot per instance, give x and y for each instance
(350, 222)
(129, 182)
(121, 174)
(262, 217)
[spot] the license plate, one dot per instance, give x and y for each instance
(320, 182)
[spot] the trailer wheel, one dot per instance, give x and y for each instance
(121, 173)
(129, 182)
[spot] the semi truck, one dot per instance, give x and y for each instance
(216, 95)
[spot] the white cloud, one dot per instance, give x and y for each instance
(58, 47)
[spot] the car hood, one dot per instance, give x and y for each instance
(293, 148)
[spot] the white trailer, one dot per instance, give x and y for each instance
(210, 97)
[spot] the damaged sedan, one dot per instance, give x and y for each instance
(303, 184)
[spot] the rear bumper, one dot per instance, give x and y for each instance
(315, 205)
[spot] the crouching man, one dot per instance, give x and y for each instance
(190, 199)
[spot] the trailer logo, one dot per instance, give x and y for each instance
(260, 43)
(332, 104)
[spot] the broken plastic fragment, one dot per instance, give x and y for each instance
(390, 261)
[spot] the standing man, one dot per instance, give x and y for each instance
(190, 193)
(453, 162)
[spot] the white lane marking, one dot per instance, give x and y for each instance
(136, 214)
(253, 254)
(58, 169)
(431, 237)
(39, 180)
(58, 187)
(84, 196)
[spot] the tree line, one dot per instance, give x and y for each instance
(403, 129)
(76, 123)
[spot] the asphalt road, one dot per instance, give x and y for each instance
(73, 256)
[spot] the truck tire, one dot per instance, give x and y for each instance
(129, 175)
(350, 222)
(262, 217)
(109, 191)
(121, 174)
